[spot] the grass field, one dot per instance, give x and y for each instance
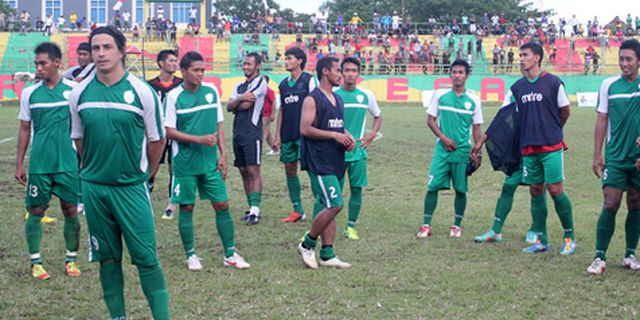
(394, 275)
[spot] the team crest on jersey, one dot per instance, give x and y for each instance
(66, 94)
(94, 241)
(360, 98)
(467, 105)
(128, 96)
(209, 97)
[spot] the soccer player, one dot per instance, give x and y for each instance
(619, 117)
(357, 101)
(117, 128)
(246, 102)
(84, 67)
(53, 164)
(194, 122)
(324, 141)
(544, 109)
(293, 90)
(168, 63)
(453, 115)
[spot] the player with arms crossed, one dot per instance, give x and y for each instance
(453, 115)
(324, 141)
(357, 101)
(619, 117)
(117, 128)
(194, 122)
(53, 165)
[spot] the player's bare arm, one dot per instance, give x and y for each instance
(154, 152)
(448, 144)
(24, 135)
(307, 129)
(208, 139)
(222, 160)
(242, 102)
(477, 137)
(598, 140)
(368, 138)
(276, 137)
(565, 112)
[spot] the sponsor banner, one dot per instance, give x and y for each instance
(587, 99)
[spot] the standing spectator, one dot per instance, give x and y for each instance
(117, 20)
(395, 22)
(160, 13)
(73, 20)
(126, 19)
(61, 22)
(2, 25)
(595, 58)
(193, 15)
(587, 62)
(48, 25)
(465, 24)
(25, 19)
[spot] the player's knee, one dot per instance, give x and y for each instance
(555, 189)
(536, 189)
(633, 200)
(37, 211)
(291, 169)
(186, 207)
(219, 206)
(611, 204)
(69, 210)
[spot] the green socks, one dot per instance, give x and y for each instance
(309, 242)
(355, 203)
(224, 223)
(503, 207)
(293, 184)
(185, 228)
(112, 280)
(326, 253)
(255, 198)
(539, 214)
(604, 232)
(71, 231)
(563, 209)
(33, 233)
(430, 204)
(460, 204)
(155, 289)
(632, 229)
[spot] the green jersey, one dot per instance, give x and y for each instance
(47, 109)
(116, 122)
(197, 113)
(456, 114)
(620, 100)
(356, 105)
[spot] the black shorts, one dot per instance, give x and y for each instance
(166, 153)
(248, 152)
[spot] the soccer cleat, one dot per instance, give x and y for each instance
(569, 247)
(597, 267)
(71, 269)
(489, 236)
(193, 263)
(168, 214)
(80, 208)
(335, 263)
(630, 262)
(531, 237)
(424, 231)
(253, 219)
(273, 152)
(537, 248)
(308, 256)
(294, 217)
(38, 272)
(236, 261)
(351, 233)
(46, 219)
(455, 232)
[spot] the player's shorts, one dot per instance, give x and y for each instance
(542, 168)
(621, 176)
(166, 153)
(443, 172)
(515, 179)
(247, 152)
(327, 190)
(114, 213)
(267, 110)
(357, 173)
(64, 185)
(290, 151)
(210, 187)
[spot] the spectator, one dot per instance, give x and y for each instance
(25, 21)
(73, 21)
(596, 62)
(160, 13)
(193, 15)
(117, 20)
(2, 22)
(126, 19)
(48, 25)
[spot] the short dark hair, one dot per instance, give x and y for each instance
(299, 54)
(256, 57)
(461, 62)
(631, 44)
(84, 46)
(164, 54)
(535, 48)
(189, 58)
(325, 63)
(350, 60)
(50, 48)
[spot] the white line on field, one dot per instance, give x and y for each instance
(6, 140)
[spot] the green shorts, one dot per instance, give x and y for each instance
(290, 151)
(114, 213)
(65, 185)
(210, 187)
(357, 173)
(620, 176)
(542, 168)
(326, 190)
(515, 179)
(442, 172)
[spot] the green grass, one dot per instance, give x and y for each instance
(394, 275)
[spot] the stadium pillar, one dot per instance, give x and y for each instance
(203, 15)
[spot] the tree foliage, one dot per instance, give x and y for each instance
(245, 9)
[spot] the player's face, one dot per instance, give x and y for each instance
(46, 68)
(333, 75)
(291, 62)
(629, 63)
(350, 73)
(459, 76)
(194, 74)
(105, 53)
(528, 60)
(249, 67)
(84, 58)
(170, 64)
